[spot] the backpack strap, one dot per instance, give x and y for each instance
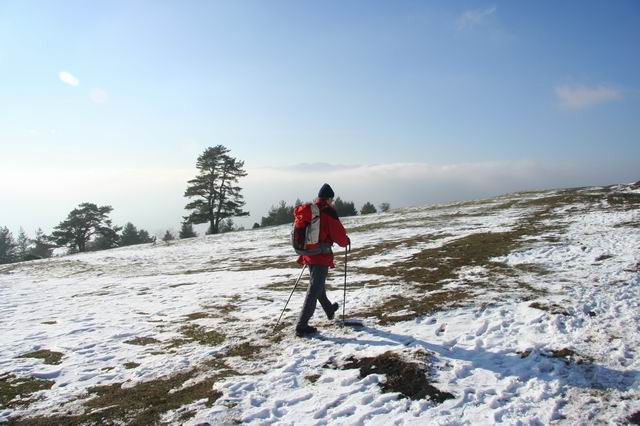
(323, 248)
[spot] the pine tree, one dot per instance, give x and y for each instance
(368, 208)
(227, 225)
(278, 215)
(168, 236)
(83, 223)
(144, 237)
(130, 235)
(22, 245)
(186, 231)
(344, 208)
(41, 247)
(217, 196)
(104, 242)
(7, 246)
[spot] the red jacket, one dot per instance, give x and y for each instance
(331, 231)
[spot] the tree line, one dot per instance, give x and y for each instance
(214, 199)
(282, 213)
(214, 195)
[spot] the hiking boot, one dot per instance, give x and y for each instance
(302, 330)
(333, 310)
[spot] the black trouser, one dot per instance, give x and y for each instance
(315, 292)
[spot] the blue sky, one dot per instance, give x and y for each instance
(123, 96)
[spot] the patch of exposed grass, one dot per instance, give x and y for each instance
(189, 272)
(431, 266)
(359, 284)
(569, 356)
(390, 245)
(551, 308)
(94, 293)
(181, 285)
(196, 316)
(312, 378)
(176, 343)
(187, 415)
(49, 357)
(533, 292)
(202, 335)
(429, 270)
(49, 322)
(224, 309)
(8, 269)
(219, 363)
(631, 224)
(375, 226)
(142, 341)
(287, 285)
(624, 199)
(505, 206)
(412, 305)
(375, 249)
(276, 335)
(142, 404)
(245, 350)
(407, 378)
(131, 365)
(532, 268)
(261, 263)
(565, 197)
(634, 419)
(16, 392)
(603, 257)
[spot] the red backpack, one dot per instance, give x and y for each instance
(305, 234)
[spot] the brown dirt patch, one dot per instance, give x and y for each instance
(405, 377)
(16, 392)
(49, 357)
(142, 341)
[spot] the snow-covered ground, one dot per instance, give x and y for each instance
(537, 321)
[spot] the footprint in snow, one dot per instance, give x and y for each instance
(349, 381)
(440, 330)
(482, 329)
(462, 371)
(366, 400)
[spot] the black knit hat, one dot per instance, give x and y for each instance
(325, 191)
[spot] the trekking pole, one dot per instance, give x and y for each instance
(344, 300)
(285, 305)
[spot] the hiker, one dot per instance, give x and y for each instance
(331, 231)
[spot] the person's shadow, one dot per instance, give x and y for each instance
(538, 364)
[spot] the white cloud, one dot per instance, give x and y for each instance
(407, 184)
(474, 17)
(580, 97)
(68, 78)
(99, 96)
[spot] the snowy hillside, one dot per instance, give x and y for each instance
(522, 309)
